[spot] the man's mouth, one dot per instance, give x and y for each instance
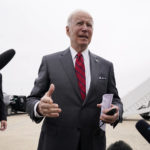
(83, 36)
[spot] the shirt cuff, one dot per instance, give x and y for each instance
(36, 114)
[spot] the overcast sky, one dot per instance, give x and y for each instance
(37, 27)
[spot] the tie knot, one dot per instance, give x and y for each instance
(79, 55)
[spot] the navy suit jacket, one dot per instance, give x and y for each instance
(77, 127)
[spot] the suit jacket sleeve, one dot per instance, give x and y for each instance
(41, 85)
(2, 105)
(116, 99)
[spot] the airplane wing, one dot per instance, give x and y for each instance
(138, 100)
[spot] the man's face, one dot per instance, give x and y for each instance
(80, 31)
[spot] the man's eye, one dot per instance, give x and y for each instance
(79, 23)
(89, 25)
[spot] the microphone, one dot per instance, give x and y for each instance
(144, 128)
(5, 57)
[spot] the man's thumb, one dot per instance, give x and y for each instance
(51, 90)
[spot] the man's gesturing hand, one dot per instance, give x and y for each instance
(46, 107)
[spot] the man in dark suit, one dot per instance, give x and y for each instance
(69, 90)
(2, 108)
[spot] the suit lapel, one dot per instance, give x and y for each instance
(67, 63)
(94, 65)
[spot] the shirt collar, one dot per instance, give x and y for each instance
(74, 53)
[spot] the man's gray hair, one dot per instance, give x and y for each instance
(75, 12)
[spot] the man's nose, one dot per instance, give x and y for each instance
(84, 28)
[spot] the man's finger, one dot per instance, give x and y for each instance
(46, 99)
(52, 115)
(48, 106)
(51, 90)
(99, 105)
(51, 110)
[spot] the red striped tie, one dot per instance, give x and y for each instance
(80, 73)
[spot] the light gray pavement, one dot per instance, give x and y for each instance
(23, 134)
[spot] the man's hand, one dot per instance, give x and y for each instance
(46, 107)
(3, 125)
(109, 118)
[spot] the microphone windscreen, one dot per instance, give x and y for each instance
(5, 57)
(144, 128)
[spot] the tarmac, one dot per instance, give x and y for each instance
(23, 134)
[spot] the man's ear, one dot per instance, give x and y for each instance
(67, 31)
